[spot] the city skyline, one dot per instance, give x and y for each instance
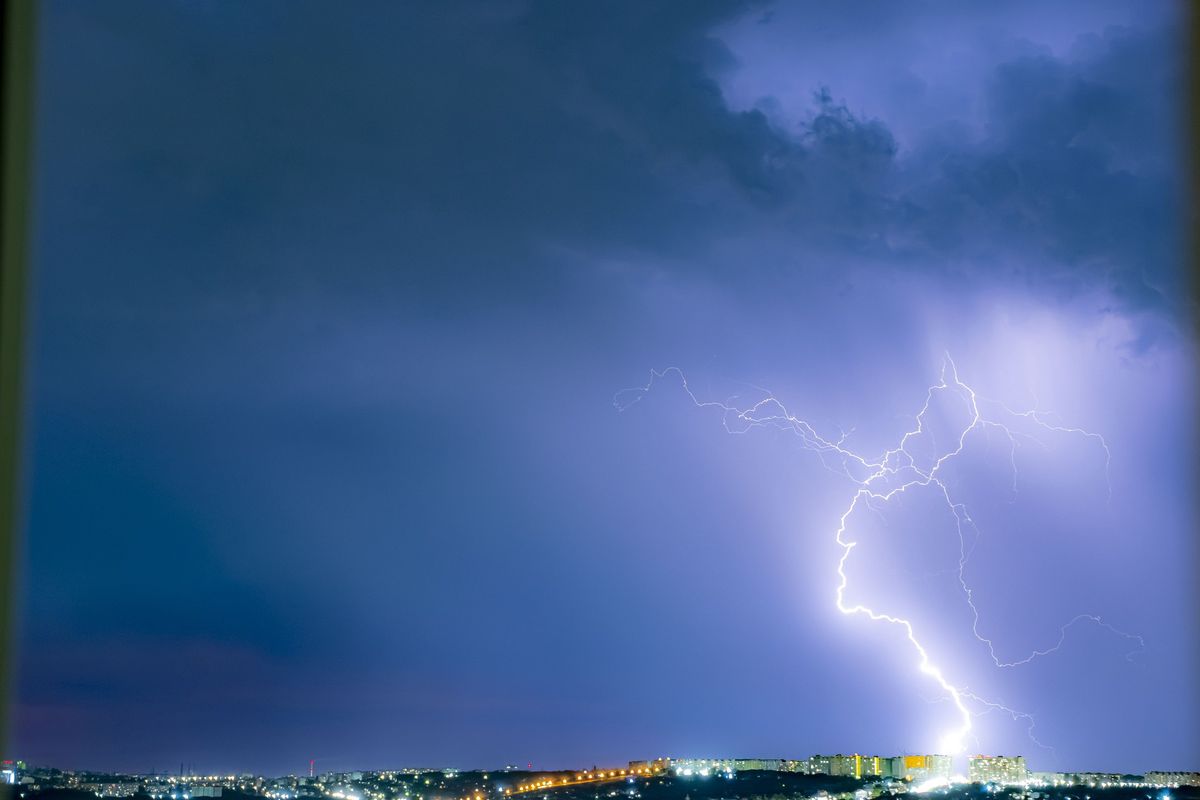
(514, 780)
(912, 768)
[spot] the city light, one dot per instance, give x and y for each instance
(870, 777)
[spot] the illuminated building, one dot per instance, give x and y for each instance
(1004, 770)
(1089, 779)
(10, 770)
(1173, 779)
(701, 766)
(768, 764)
(844, 766)
(709, 766)
(854, 766)
(922, 768)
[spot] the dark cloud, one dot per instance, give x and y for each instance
(1070, 177)
(432, 134)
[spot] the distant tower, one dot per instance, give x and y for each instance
(311, 766)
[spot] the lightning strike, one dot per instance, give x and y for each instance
(881, 478)
(991, 706)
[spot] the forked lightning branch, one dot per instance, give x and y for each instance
(880, 479)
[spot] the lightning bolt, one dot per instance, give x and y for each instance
(880, 478)
(991, 706)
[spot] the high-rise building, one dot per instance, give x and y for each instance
(747, 764)
(1005, 770)
(1173, 778)
(854, 766)
(845, 766)
(920, 768)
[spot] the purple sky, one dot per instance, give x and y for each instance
(331, 308)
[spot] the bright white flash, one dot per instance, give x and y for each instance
(880, 478)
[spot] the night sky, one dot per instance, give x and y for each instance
(331, 302)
